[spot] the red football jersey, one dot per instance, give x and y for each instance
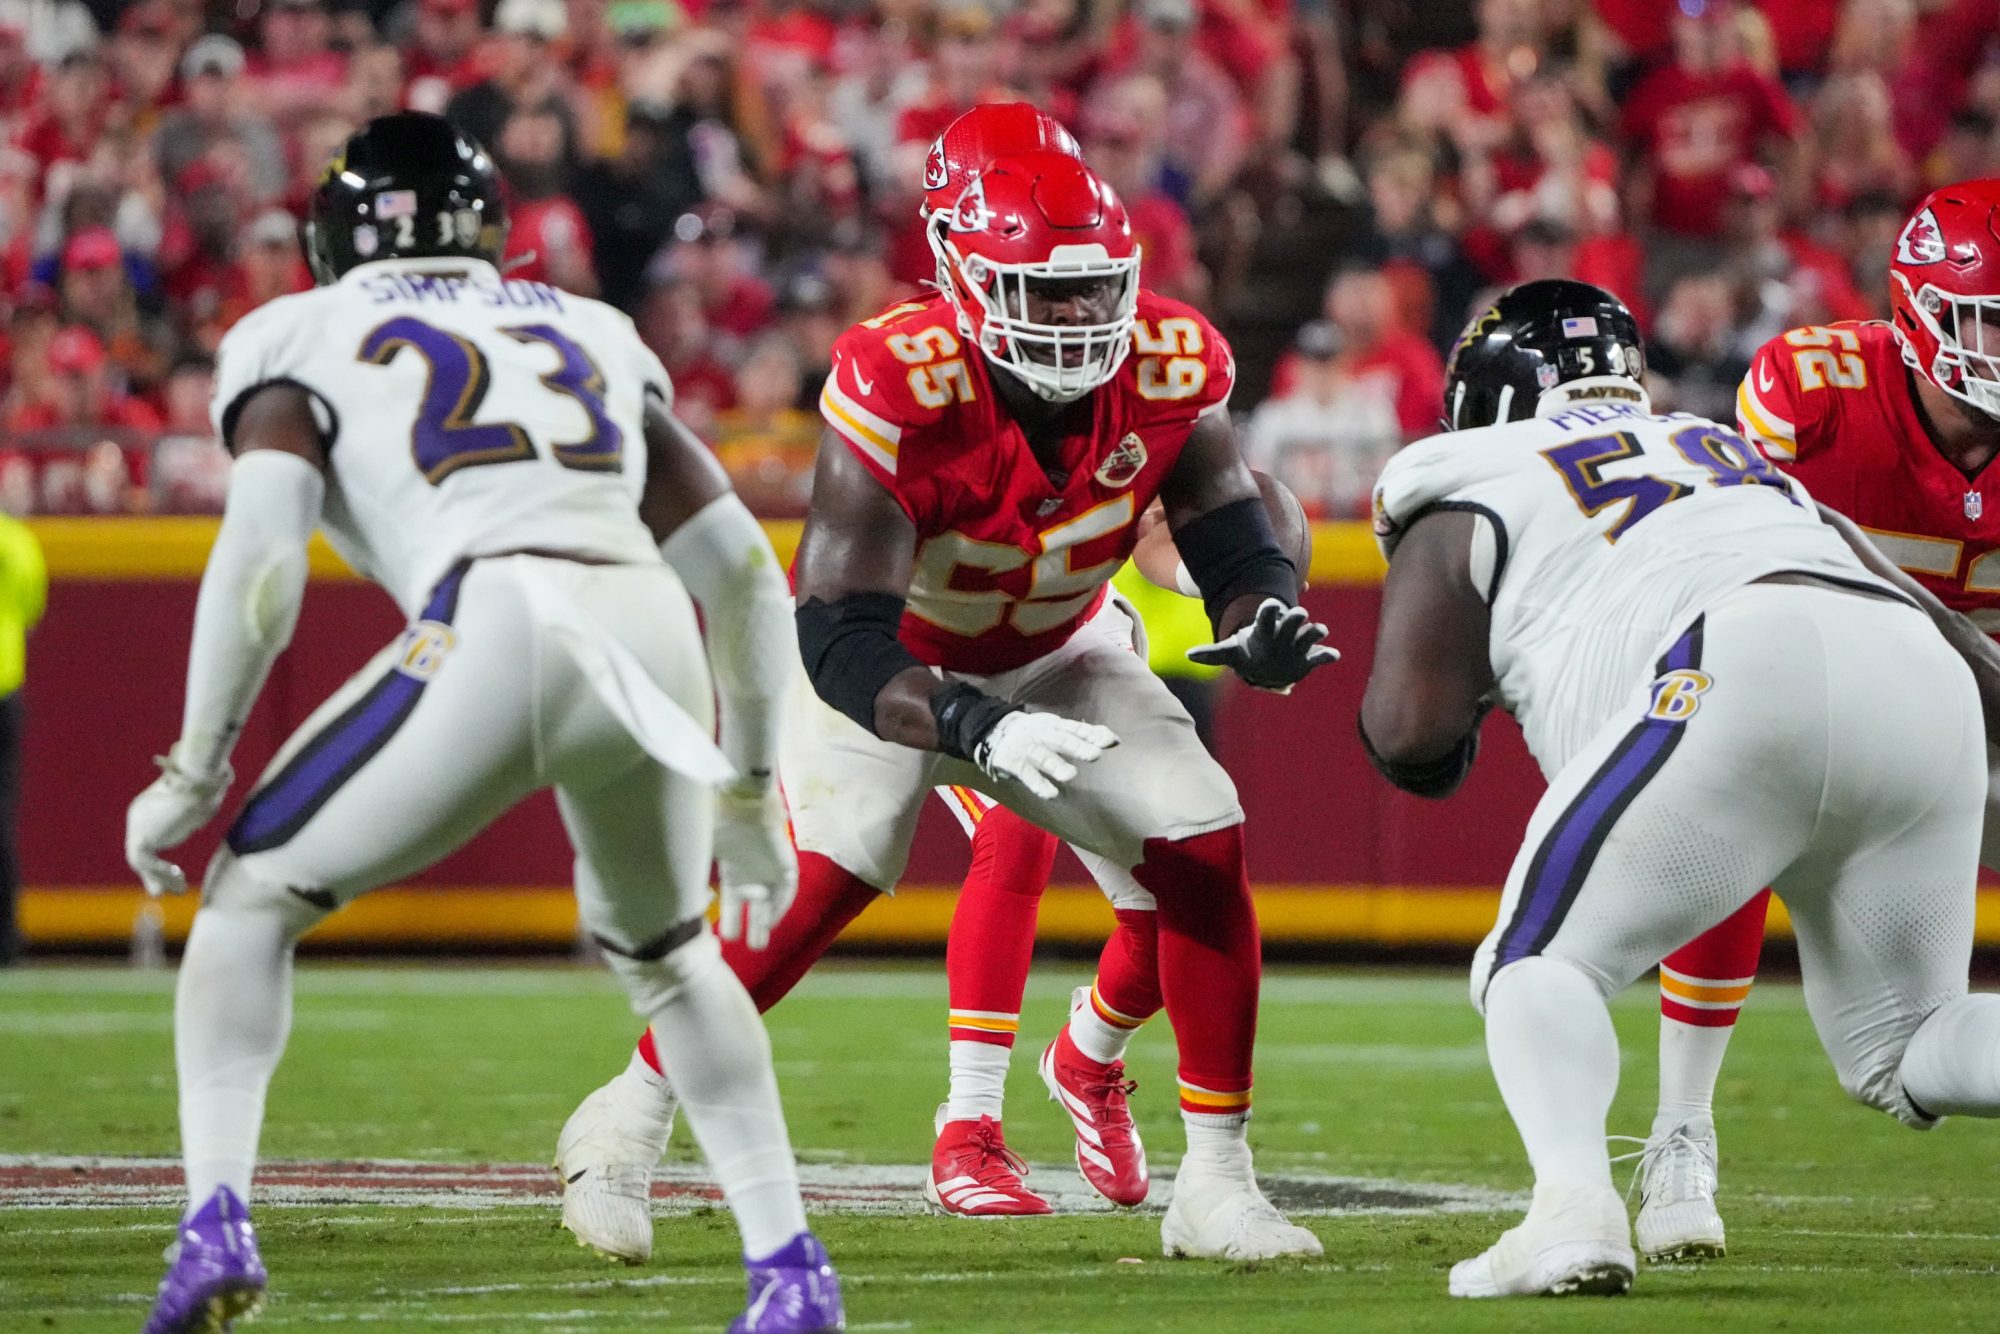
(1835, 407)
(1008, 562)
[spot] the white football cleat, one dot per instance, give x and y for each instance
(605, 1158)
(1677, 1184)
(1220, 1214)
(1579, 1244)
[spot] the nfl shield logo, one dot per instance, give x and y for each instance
(1975, 504)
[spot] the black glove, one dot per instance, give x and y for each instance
(1274, 651)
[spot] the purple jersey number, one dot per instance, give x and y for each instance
(445, 437)
(1581, 464)
(1728, 460)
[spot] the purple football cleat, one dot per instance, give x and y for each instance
(792, 1292)
(216, 1274)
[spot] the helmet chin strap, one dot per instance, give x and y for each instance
(1619, 389)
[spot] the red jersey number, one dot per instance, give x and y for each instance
(1057, 589)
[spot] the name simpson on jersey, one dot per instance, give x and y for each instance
(447, 289)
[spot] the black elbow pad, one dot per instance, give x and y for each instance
(1231, 551)
(851, 651)
(1436, 778)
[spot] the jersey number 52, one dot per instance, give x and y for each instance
(446, 438)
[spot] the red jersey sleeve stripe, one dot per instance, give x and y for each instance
(875, 438)
(1773, 434)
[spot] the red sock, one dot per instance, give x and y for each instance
(992, 937)
(1210, 960)
(1705, 982)
(829, 898)
(1127, 989)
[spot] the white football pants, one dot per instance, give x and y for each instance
(1822, 742)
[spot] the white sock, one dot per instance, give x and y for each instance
(232, 1012)
(1095, 1036)
(1690, 1063)
(1217, 1142)
(1952, 1064)
(642, 1080)
(978, 1080)
(1555, 1058)
(718, 1058)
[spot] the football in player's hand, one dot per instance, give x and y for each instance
(1160, 562)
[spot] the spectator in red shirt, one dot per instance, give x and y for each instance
(1853, 148)
(1126, 149)
(438, 63)
(708, 252)
(1377, 353)
(548, 240)
(143, 53)
(1209, 129)
(65, 123)
(78, 392)
(671, 322)
(1508, 50)
(296, 72)
(1691, 123)
(1361, 303)
(269, 264)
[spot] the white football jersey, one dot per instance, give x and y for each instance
(467, 414)
(1606, 531)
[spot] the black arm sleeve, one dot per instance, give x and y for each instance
(1230, 551)
(1436, 778)
(851, 650)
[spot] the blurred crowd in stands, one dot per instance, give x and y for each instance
(1336, 182)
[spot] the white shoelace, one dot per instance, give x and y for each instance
(1690, 1164)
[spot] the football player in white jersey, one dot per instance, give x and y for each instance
(500, 457)
(1723, 697)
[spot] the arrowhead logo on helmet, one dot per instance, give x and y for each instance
(935, 172)
(1922, 241)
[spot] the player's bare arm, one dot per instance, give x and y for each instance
(682, 475)
(1971, 643)
(249, 603)
(1429, 685)
(853, 571)
(852, 576)
(1248, 584)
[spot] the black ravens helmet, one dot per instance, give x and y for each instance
(1535, 338)
(405, 186)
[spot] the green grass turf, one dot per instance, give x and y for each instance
(1838, 1217)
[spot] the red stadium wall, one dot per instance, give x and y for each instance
(1338, 855)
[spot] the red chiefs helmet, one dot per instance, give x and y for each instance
(1944, 288)
(995, 129)
(1036, 236)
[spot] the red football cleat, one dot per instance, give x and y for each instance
(1108, 1151)
(975, 1175)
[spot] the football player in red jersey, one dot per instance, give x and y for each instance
(992, 935)
(989, 451)
(1011, 861)
(1894, 426)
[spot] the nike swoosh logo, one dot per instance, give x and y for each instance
(865, 386)
(1764, 380)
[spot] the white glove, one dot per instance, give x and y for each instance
(1035, 749)
(760, 871)
(164, 815)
